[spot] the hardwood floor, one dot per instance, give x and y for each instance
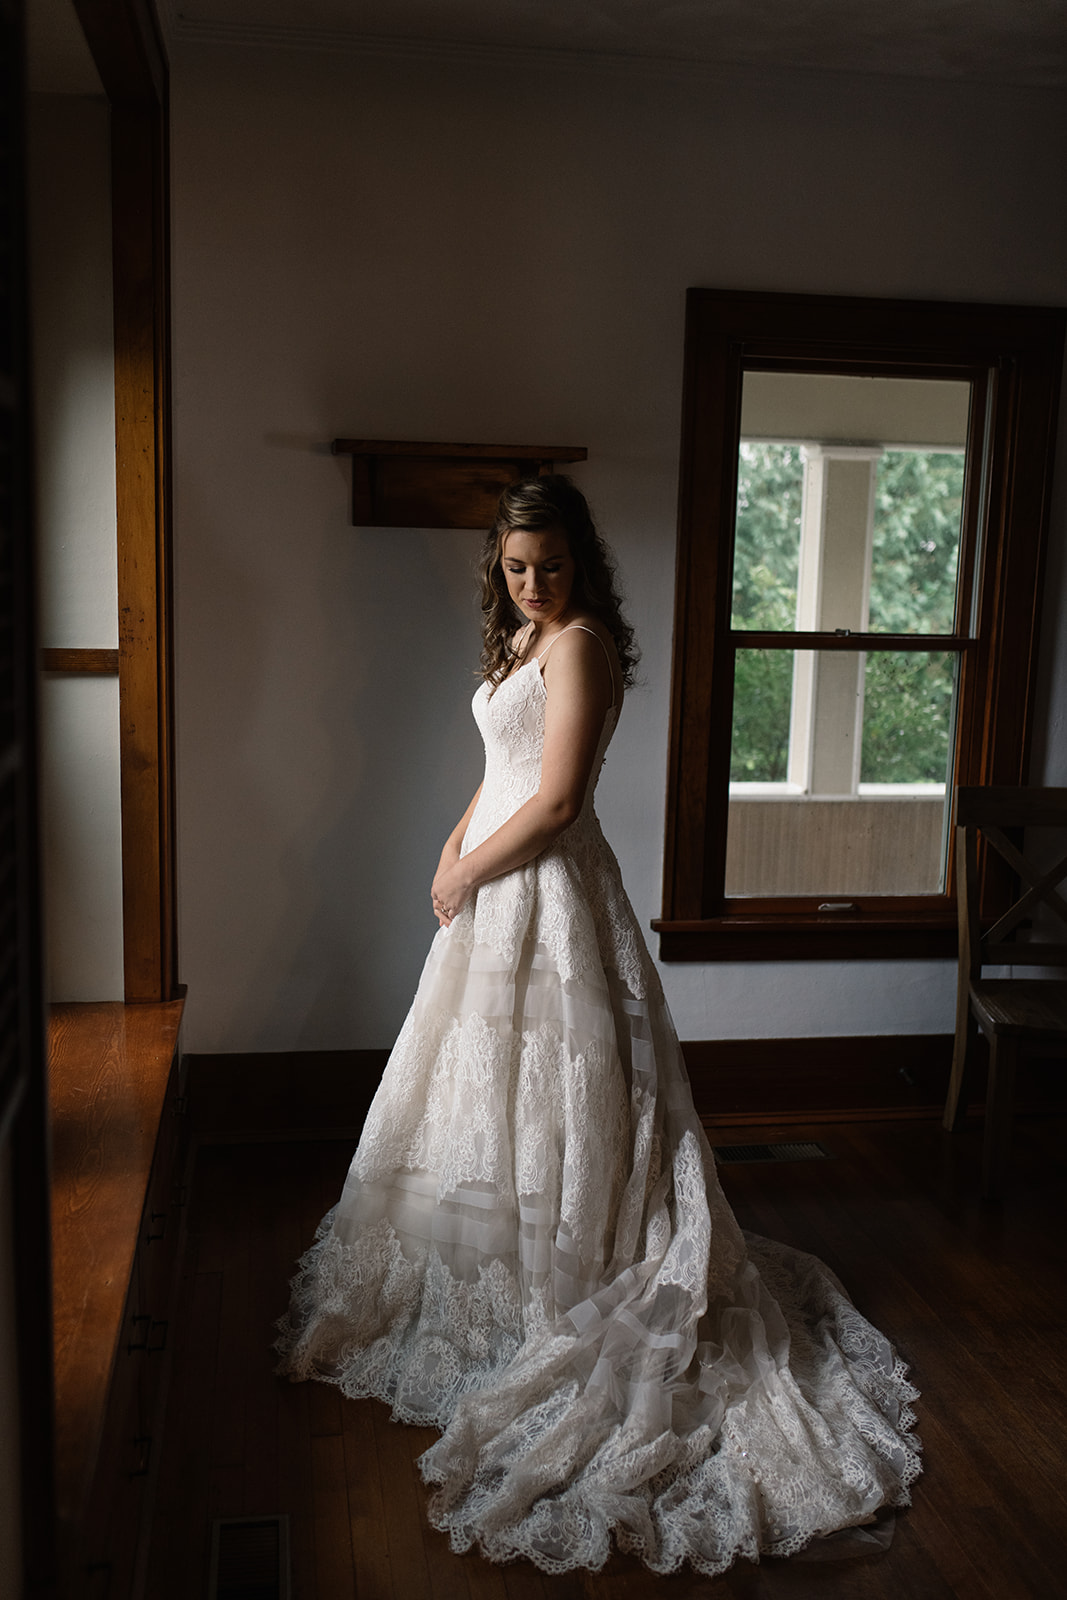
(974, 1296)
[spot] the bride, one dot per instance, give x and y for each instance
(532, 1250)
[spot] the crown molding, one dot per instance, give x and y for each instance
(333, 41)
(180, 29)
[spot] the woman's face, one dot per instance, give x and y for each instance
(539, 571)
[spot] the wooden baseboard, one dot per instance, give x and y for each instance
(860, 1078)
(316, 1094)
(292, 1094)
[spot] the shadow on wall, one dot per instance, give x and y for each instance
(326, 750)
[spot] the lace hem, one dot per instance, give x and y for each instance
(788, 1462)
(407, 1332)
(790, 1418)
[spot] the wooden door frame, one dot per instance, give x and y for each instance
(126, 44)
(24, 1133)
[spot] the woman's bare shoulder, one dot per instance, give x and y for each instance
(587, 624)
(578, 646)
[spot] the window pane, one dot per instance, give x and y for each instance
(918, 502)
(839, 772)
(907, 717)
(849, 501)
(770, 483)
(763, 696)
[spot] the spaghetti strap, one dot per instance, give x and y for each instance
(519, 649)
(581, 625)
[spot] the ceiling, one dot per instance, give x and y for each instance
(1006, 41)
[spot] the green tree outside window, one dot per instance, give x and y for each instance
(770, 486)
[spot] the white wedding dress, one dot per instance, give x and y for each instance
(532, 1250)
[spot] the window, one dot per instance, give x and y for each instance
(861, 520)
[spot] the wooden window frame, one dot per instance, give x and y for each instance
(1018, 353)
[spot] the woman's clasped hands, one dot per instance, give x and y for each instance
(449, 893)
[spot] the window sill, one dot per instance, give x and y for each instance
(866, 791)
(112, 1068)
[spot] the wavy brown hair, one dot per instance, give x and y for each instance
(532, 505)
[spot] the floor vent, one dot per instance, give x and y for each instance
(728, 1154)
(250, 1558)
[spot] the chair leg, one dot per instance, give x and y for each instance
(962, 1056)
(999, 1112)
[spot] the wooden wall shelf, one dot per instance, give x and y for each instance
(402, 484)
(96, 663)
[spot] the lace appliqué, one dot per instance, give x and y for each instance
(464, 1072)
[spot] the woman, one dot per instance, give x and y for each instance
(532, 1250)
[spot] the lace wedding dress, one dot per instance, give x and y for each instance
(532, 1250)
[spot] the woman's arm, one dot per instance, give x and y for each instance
(452, 846)
(580, 690)
(454, 842)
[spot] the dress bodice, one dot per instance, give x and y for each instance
(511, 720)
(569, 899)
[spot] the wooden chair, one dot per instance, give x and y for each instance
(1012, 1013)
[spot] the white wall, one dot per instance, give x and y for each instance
(74, 414)
(409, 249)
